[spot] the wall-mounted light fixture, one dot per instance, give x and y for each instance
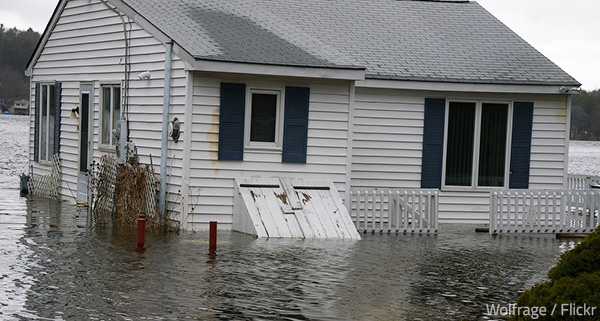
(75, 112)
(145, 75)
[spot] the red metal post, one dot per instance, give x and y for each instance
(212, 243)
(141, 230)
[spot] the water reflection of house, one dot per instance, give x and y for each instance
(383, 93)
(20, 107)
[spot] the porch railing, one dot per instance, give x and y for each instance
(579, 182)
(394, 211)
(544, 211)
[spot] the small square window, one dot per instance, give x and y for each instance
(263, 118)
(263, 121)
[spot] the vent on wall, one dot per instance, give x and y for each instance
(291, 208)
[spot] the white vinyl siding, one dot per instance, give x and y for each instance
(212, 181)
(388, 135)
(87, 45)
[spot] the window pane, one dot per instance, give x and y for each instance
(51, 114)
(44, 123)
(461, 135)
(106, 115)
(492, 150)
(116, 107)
(264, 113)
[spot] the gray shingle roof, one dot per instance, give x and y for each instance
(447, 41)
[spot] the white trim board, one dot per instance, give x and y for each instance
(459, 87)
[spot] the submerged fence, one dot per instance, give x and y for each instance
(394, 211)
(544, 211)
(579, 182)
(46, 185)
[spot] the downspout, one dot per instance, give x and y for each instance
(567, 141)
(165, 135)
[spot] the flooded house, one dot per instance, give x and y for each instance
(381, 94)
(20, 107)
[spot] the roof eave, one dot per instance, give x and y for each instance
(320, 72)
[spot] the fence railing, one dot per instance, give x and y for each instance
(581, 182)
(544, 211)
(394, 211)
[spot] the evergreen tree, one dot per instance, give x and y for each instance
(16, 47)
(585, 116)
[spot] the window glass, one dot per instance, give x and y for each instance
(116, 107)
(459, 151)
(111, 99)
(52, 113)
(492, 150)
(263, 118)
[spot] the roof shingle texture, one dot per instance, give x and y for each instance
(442, 41)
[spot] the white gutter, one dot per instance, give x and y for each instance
(165, 135)
(463, 87)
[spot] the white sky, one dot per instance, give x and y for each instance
(566, 31)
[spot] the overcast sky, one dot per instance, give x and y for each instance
(567, 32)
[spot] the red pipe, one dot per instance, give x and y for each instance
(212, 244)
(141, 230)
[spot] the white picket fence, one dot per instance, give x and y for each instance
(544, 211)
(579, 182)
(394, 210)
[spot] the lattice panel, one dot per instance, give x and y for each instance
(47, 185)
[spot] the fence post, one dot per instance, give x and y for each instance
(141, 230)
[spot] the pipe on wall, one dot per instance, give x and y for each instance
(165, 135)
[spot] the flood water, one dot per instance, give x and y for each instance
(52, 270)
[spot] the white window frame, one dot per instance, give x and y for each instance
(269, 90)
(476, 141)
(47, 158)
(110, 146)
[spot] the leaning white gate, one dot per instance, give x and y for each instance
(544, 211)
(394, 211)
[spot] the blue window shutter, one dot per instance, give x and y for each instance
(57, 102)
(521, 145)
(295, 131)
(231, 121)
(36, 131)
(433, 143)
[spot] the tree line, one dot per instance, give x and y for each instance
(585, 116)
(16, 47)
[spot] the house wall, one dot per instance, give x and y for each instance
(211, 182)
(87, 45)
(387, 146)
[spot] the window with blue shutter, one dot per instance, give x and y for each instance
(47, 121)
(433, 143)
(295, 129)
(231, 121)
(521, 145)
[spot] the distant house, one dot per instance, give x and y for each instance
(379, 94)
(20, 107)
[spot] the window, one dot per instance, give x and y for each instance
(48, 112)
(476, 144)
(263, 118)
(111, 112)
(258, 118)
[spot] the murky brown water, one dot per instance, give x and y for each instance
(52, 270)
